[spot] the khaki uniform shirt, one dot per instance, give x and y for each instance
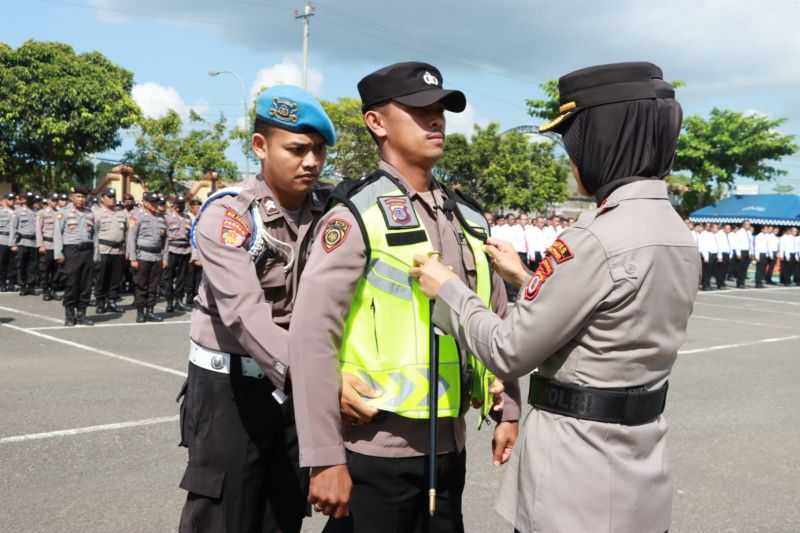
(147, 238)
(46, 220)
(323, 303)
(7, 221)
(178, 227)
(75, 227)
(610, 313)
(112, 229)
(23, 231)
(243, 307)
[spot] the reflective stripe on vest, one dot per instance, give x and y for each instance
(386, 335)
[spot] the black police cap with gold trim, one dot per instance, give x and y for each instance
(607, 84)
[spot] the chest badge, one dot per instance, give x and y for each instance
(398, 212)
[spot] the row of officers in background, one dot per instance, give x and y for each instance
(727, 251)
(77, 243)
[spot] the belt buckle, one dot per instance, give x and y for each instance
(217, 362)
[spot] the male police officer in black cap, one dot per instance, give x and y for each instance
(112, 229)
(23, 238)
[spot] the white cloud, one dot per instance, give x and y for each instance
(156, 100)
(285, 72)
(464, 122)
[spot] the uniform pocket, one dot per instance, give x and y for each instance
(203, 481)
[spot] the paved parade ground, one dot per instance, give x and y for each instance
(88, 421)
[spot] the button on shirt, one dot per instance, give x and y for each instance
(23, 231)
(75, 227)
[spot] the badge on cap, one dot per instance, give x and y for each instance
(397, 212)
(430, 79)
(284, 109)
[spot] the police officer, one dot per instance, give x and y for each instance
(129, 205)
(7, 222)
(112, 229)
(242, 473)
(356, 309)
(602, 318)
(147, 251)
(46, 222)
(179, 223)
(194, 272)
(23, 239)
(73, 242)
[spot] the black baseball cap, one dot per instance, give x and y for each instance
(63, 196)
(54, 196)
(195, 201)
(151, 197)
(606, 84)
(10, 196)
(180, 199)
(411, 83)
(110, 191)
(81, 189)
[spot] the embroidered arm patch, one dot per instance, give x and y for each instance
(234, 230)
(558, 253)
(334, 234)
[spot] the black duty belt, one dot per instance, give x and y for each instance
(4, 233)
(28, 236)
(112, 244)
(180, 242)
(47, 239)
(80, 247)
(629, 407)
(151, 249)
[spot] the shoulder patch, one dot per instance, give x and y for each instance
(534, 286)
(234, 230)
(398, 212)
(560, 252)
(334, 234)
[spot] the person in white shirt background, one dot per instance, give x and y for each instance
(763, 255)
(788, 254)
(517, 236)
(741, 244)
(772, 239)
(709, 250)
(797, 256)
(537, 243)
(723, 255)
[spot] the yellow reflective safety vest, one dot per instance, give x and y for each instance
(386, 339)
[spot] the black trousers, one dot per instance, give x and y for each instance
(788, 268)
(47, 270)
(5, 262)
(193, 276)
(534, 263)
(723, 264)
(770, 269)
(243, 474)
(742, 265)
(26, 266)
(109, 277)
(761, 269)
(391, 495)
(78, 268)
(174, 278)
(710, 268)
(146, 279)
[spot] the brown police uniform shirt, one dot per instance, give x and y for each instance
(244, 307)
(608, 309)
(323, 303)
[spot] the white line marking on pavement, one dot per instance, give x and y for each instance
(733, 296)
(743, 322)
(753, 289)
(739, 345)
(112, 355)
(32, 315)
(748, 309)
(115, 325)
(88, 429)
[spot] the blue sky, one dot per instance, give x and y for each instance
(733, 54)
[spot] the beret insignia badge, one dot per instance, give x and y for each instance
(284, 110)
(334, 235)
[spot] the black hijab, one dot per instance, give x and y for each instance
(619, 143)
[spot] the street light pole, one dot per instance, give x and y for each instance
(246, 115)
(308, 12)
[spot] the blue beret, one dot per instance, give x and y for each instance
(291, 108)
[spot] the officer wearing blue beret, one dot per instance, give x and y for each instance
(237, 422)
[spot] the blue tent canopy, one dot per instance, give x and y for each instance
(772, 209)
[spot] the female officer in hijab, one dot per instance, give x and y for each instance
(601, 319)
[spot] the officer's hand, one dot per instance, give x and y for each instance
(431, 273)
(505, 435)
(134, 264)
(506, 262)
(497, 389)
(42, 250)
(59, 260)
(351, 399)
(329, 491)
(13, 248)
(163, 264)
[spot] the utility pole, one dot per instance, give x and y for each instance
(308, 12)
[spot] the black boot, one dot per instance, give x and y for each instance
(140, 315)
(170, 305)
(151, 316)
(47, 295)
(54, 295)
(180, 306)
(82, 320)
(101, 307)
(112, 307)
(69, 316)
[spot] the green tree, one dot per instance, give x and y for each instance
(546, 108)
(56, 109)
(726, 145)
(165, 154)
(355, 153)
(504, 171)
